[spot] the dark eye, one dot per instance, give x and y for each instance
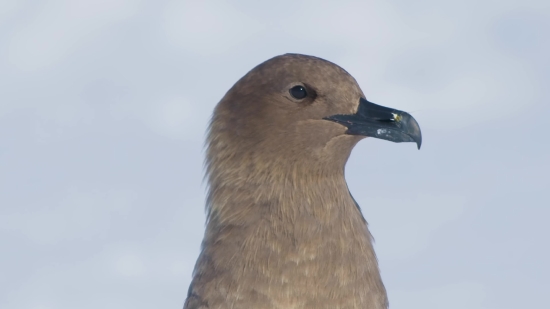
(298, 92)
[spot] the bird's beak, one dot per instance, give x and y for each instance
(380, 122)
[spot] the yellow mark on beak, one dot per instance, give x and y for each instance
(397, 117)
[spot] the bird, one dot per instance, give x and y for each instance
(282, 229)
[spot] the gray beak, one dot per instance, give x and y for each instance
(380, 122)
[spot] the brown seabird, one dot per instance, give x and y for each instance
(283, 231)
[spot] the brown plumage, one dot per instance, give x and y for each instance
(282, 229)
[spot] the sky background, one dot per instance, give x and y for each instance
(104, 106)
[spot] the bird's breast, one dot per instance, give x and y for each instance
(299, 262)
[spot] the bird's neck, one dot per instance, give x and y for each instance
(294, 241)
(284, 195)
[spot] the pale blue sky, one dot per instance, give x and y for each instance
(104, 105)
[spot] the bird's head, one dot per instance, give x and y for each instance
(301, 110)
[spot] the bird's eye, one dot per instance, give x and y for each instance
(298, 92)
